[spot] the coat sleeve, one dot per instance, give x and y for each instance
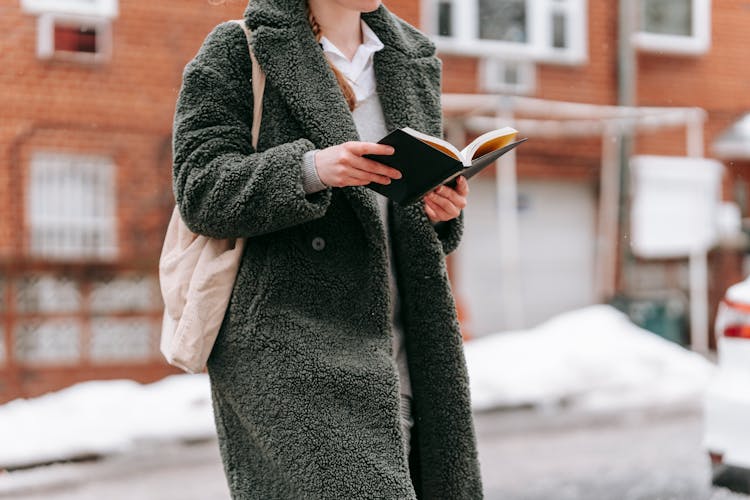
(449, 233)
(223, 188)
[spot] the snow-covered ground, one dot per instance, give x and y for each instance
(100, 418)
(593, 358)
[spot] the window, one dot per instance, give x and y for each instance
(552, 31)
(78, 30)
(103, 9)
(674, 26)
(122, 339)
(508, 77)
(71, 207)
(504, 20)
(64, 319)
(73, 38)
(55, 341)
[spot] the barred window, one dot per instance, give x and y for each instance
(71, 207)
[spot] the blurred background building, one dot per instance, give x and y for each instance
(87, 96)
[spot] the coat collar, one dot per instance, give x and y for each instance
(295, 65)
(292, 14)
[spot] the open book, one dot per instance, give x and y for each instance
(426, 162)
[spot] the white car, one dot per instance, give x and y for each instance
(727, 403)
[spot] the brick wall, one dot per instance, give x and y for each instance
(717, 81)
(122, 108)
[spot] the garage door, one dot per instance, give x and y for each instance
(557, 246)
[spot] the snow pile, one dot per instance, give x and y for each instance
(103, 417)
(593, 359)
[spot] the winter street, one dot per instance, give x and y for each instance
(640, 455)
(637, 456)
(305, 225)
(620, 420)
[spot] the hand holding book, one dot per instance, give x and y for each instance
(426, 162)
(445, 203)
(345, 165)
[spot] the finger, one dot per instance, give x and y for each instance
(374, 167)
(366, 177)
(354, 181)
(452, 195)
(462, 186)
(350, 180)
(440, 212)
(369, 148)
(431, 213)
(445, 205)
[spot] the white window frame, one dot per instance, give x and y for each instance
(45, 46)
(696, 44)
(465, 40)
(95, 13)
(105, 9)
(490, 68)
(45, 213)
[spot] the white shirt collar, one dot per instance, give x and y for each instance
(359, 69)
(371, 44)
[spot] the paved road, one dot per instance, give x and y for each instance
(155, 471)
(525, 456)
(639, 456)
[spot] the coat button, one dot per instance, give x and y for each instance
(318, 243)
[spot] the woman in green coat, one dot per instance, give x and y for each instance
(338, 372)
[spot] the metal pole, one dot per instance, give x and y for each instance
(455, 133)
(695, 147)
(508, 231)
(698, 265)
(626, 96)
(698, 260)
(609, 189)
(626, 57)
(510, 251)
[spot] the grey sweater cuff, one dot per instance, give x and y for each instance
(310, 180)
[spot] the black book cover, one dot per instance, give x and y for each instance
(424, 167)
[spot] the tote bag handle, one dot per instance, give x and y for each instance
(197, 273)
(259, 86)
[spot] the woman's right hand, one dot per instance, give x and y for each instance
(343, 165)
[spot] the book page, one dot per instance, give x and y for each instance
(439, 144)
(488, 142)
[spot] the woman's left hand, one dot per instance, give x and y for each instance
(445, 203)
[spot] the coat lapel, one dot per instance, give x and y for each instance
(296, 66)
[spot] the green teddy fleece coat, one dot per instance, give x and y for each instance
(304, 385)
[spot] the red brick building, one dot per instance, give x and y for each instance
(657, 57)
(87, 95)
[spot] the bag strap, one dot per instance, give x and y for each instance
(259, 86)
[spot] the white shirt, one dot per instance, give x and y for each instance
(359, 70)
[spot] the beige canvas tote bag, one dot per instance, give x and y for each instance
(197, 273)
